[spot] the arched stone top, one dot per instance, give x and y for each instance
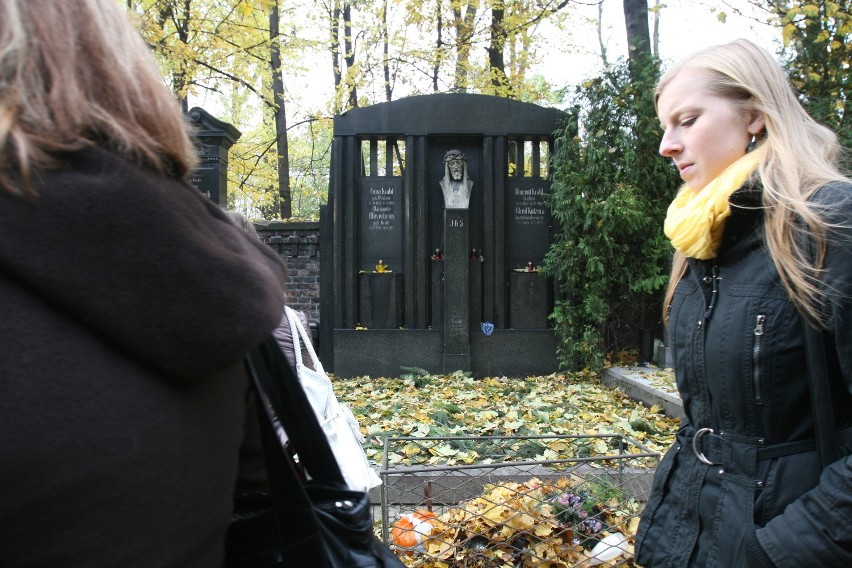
(456, 113)
(210, 128)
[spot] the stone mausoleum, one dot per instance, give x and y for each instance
(432, 237)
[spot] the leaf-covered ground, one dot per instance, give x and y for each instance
(421, 405)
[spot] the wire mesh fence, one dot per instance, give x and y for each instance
(514, 501)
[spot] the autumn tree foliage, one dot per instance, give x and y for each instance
(251, 57)
(817, 50)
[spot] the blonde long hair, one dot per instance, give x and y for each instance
(74, 73)
(801, 157)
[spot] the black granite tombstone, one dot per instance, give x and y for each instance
(381, 222)
(530, 296)
(452, 263)
(457, 308)
(213, 138)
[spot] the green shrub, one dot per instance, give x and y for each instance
(610, 192)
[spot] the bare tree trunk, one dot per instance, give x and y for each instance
(349, 52)
(284, 204)
(497, 68)
(463, 20)
(386, 51)
(638, 36)
(600, 35)
(519, 44)
(439, 46)
(181, 22)
(655, 35)
(334, 45)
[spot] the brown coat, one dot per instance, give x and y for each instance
(127, 302)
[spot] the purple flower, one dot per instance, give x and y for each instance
(570, 500)
(590, 527)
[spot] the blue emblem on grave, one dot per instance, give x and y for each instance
(487, 328)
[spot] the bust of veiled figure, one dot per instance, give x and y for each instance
(455, 183)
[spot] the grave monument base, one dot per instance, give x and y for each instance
(386, 353)
(456, 362)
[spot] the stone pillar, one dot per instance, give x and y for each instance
(456, 291)
(528, 306)
(380, 299)
(437, 294)
(213, 138)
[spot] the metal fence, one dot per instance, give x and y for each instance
(514, 501)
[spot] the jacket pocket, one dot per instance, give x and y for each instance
(786, 479)
(733, 518)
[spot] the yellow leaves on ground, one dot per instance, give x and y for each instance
(517, 524)
(661, 379)
(458, 405)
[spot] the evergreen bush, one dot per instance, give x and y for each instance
(611, 189)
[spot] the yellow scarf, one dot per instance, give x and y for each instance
(695, 219)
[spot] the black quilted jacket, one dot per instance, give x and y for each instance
(758, 497)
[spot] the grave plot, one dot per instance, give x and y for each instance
(516, 501)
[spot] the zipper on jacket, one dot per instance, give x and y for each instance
(713, 280)
(759, 322)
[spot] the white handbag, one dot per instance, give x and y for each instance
(337, 421)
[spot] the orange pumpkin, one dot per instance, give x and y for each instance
(411, 529)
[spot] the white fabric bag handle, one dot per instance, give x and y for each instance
(315, 381)
(336, 419)
(297, 330)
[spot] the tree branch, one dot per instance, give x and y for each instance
(235, 79)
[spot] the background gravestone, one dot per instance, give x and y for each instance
(386, 204)
(213, 138)
(529, 221)
(381, 223)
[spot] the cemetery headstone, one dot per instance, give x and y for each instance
(213, 138)
(449, 192)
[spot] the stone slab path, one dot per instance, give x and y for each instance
(649, 385)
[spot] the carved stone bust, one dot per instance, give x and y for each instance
(455, 183)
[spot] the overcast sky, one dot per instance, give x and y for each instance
(685, 26)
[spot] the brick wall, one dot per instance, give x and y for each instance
(298, 245)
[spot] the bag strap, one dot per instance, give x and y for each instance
(296, 523)
(824, 428)
(277, 381)
(298, 330)
(292, 319)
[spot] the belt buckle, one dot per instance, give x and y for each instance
(700, 455)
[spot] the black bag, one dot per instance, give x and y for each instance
(319, 523)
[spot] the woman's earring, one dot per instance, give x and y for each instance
(752, 143)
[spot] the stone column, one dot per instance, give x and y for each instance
(213, 138)
(456, 291)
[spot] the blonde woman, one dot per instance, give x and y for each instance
(763, 236)
(127, 303)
